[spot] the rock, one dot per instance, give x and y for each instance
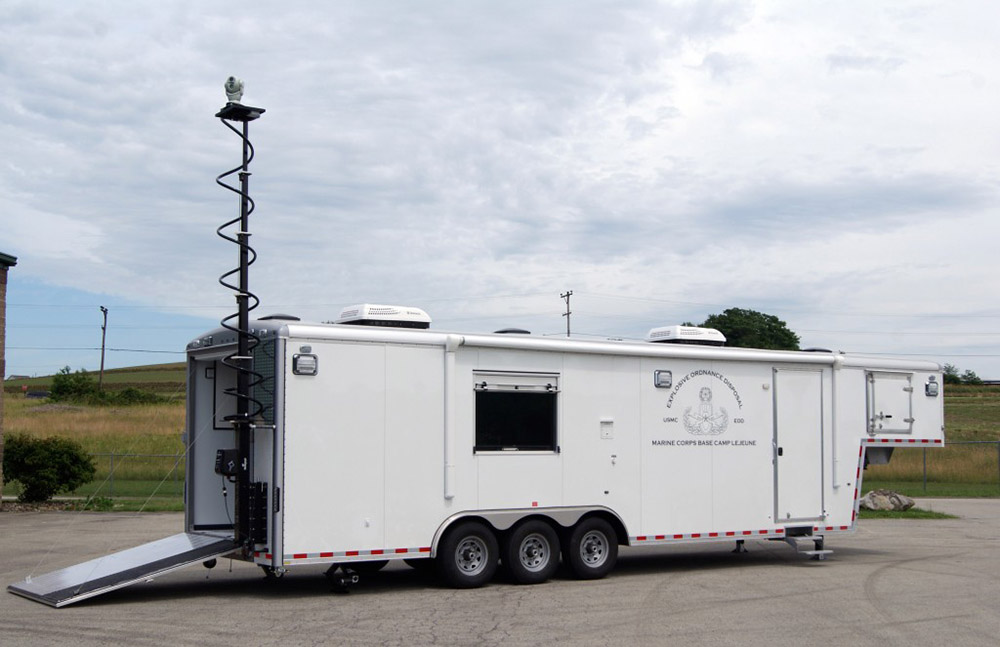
(886, 500)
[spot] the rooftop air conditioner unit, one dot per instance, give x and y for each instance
(370, 314)
(686, 335)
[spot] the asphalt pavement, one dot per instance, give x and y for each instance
(893, 582)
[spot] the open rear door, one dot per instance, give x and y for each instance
(117, 570)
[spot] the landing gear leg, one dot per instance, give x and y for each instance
(740, 548)
(818, 543)
(271, 574)
(342, 581)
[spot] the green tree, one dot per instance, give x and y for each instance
(951, 375)
(67, 385)
(752, 329)
(970, 377)
(46, 466)
(80, 387)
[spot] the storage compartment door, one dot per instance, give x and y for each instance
(798, 437)
(890, 403)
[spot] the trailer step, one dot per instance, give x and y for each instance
(812, 546)
(117, 570)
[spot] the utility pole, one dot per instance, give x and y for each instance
(104, 335)
(568, 312)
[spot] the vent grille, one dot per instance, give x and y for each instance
(264, 364)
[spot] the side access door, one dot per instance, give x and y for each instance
(798, 444)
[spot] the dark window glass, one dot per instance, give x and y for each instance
(512, 420)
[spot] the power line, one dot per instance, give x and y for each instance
(118, 350)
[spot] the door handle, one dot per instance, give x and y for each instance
(781, 451)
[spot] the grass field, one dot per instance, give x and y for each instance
(163, 379)
(912, 513)
(972, 413)
(154, 480)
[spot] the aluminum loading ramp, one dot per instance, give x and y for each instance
(86, 580)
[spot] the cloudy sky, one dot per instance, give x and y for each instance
(834, 164)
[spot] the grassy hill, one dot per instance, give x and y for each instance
(162, 379)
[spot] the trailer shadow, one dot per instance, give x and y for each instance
(251, 585)
(248, 584)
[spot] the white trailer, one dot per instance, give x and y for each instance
(384, 442)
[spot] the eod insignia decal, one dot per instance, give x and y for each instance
(705, 419)
(703, 408)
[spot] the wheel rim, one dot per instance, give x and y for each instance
(534, 552)
(594, 548)
(471, 555)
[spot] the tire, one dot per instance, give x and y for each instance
(531, 552)
(467, 555)
(592, 549)
(367, 568)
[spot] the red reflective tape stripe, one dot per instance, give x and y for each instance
(641, 538)
(534, 504)
(425, 549)
(761, 532)
(352, 553)
(300, 555)
(678, 536)
(713, 534)
(730, 533)
(661, 537)
(695, 535)
(402, 550)
(326, 554)
(267, 556)
(378, 552)
(780, 530)
(748, 532)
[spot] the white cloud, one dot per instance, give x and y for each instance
(802, 157)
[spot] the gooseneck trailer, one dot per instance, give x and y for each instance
(377, 438)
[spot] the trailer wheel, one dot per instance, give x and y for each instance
(592, 549)
(467, 556)
(531, 552)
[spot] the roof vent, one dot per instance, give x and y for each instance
(686, 335)
(370, 314)
(280, 316)
(512, 331)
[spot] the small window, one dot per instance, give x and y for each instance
(516, 412)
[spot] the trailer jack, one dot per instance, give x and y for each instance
(341, 581)
(271, 573)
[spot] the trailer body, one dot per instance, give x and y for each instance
(391, 436)
(382, 443)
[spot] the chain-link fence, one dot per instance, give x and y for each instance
(139, 475)
(966, 462)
